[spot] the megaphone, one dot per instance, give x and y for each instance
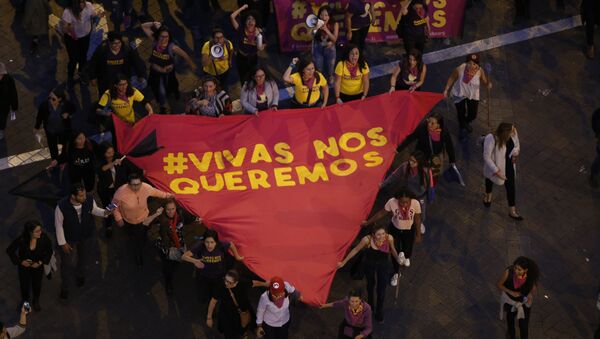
(313, 21)
(217, 51)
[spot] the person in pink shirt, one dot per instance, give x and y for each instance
(131, 200)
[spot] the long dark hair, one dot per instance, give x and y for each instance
(157, 32)
(211, 234)
(113, 90)
(404, 192)
(28, 229)
(361, 57)
(251, 82)
(304, 61)
(440, 119)
(533, 272)
(417, 55)
(355, 292)
(75, 8)
(421, 163)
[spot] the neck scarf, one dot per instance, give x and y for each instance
(435, 135)
(352, 69)
(173, 226)
(518, 282)
(469, 73)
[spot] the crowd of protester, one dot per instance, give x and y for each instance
(127, 83)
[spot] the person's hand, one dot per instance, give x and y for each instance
(392, 89)
(93, 82)
(418, 237)
(340, 264)
(514, 158)
(273, 108)
(169, 68)
(199, 264)
(339, 101)
(295, 60)
(170, 195)
(349, 35)
(364, 223)
(209, 321)
(203, 102)
(260, 332)
(239, 258)
(489, 85)
(412, 88)
(117, 162)
(323, 105)
(262, 46)
(23, 310)
(445, 93)
(500, 175)
(53, 163)
(329, 44)
(26, 263)
(156, 24)
(159, 211)
(121, 223)
(244, 7)
(36, 264)
(66, 248)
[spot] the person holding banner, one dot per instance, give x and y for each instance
(413, 27)
(324, 39)
(162, 79)
(351, 76)
(250, 41)
(465, 82)
(119, 100)
(308, 84)
(358, 18)
(273, 311)
(217, 65)
(259, 92)
(209, 100)
(357, 321)
(412, 72)
(379, 245)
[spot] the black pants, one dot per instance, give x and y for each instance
(523, 323)
(466, 111)
(207, 287)
(168, 269)
(347, 98)
(3, 118)
(276, 332)
(54, 140)
(30, 279)
(413, 42)
(378, 275)
(590, 22)
(403, 241)
(245, 65)
(509, 184)
(597, 333)
(522, 9)
(138, 236)
(72, 264)
(359, 36)
(87, 176)
(77, 51)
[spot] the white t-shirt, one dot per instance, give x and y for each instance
(403, 222)
(269, 313)
(83, 26)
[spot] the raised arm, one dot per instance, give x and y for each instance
(148, 27)
(234, 15)
(288, 72)
(364, 242)
(177, 50)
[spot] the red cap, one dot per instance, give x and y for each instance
(276, 285)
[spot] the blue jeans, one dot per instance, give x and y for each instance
(324, 59)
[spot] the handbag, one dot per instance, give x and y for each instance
(436, 163)
(174, 253)
(244, 315)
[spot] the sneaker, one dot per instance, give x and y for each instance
(422, 228)
(394, 281)
(401, 259)
(407, 262)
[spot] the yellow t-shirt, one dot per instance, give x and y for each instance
(301, 90)
(351, 85)
(123, 109)
(222, 63)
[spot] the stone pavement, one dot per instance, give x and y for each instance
(545, 85)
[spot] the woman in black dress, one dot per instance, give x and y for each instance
(30, 251)
(233, 300)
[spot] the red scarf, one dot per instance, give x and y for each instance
(352, 69)
(260, 89)
(518, 282)
(405, 212)
(173, 227)
(250, 36)
(309, 83)
(469, 73)
(435, 135)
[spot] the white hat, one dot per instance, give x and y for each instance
(3, 68)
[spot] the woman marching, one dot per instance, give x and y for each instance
(518, 285)
(379, 245)
(357, 323)
(351, 76)
(310, 86)
(500, 152)
(465, 83)
(409, 74)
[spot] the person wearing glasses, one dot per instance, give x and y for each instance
(54, 115)
(132, 211)
(233, 314)
(259, 92)
(208, 256)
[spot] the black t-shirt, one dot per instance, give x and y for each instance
(214, 262)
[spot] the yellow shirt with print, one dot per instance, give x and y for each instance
(301, 90)
(351, 85)
(222, 63)
(123, 109)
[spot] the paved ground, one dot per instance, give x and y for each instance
(545, 85)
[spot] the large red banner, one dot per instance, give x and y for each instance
(291, 187)
(445, 18)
